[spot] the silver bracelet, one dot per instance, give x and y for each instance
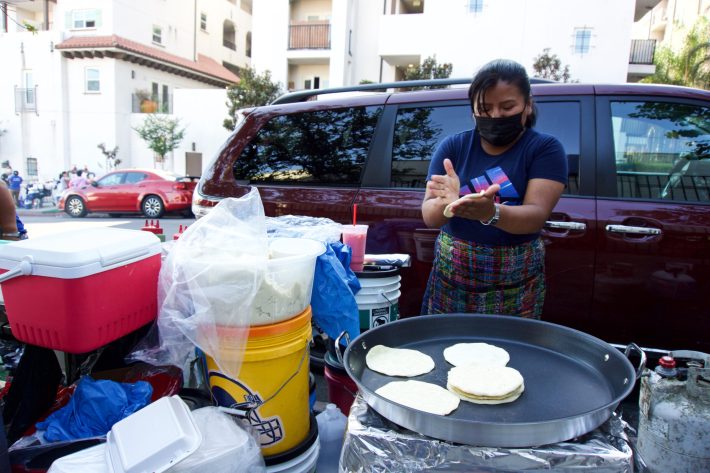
(494, 219)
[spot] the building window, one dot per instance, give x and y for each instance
(81, 19)
(157, 34)
(582, 38)
(246, 6)
(32, 166)
(203, 21)
(475, 6)
(248, 44)
(229, 35)
(92, 80)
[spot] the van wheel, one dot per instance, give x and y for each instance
(75, 207)
(153, 207)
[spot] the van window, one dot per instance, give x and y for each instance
(662, 150)
(326, 147)
(417, 133)
(562, 120)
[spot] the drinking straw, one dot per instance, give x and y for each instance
(354, 214)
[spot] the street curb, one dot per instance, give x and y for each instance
(37, 212)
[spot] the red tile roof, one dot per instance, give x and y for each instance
(203, 65)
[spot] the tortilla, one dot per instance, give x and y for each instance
(426, 397)
(486, 400)
(398, 361)
(447, 210)
(478, 383)
(463, 354)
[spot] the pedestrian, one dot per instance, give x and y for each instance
(61, 186)
(11, 227)
(78, 181)
(489, 256)
(15, 184)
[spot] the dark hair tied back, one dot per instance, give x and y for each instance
(501, 70)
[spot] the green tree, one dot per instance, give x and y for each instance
(253, 90)
(690, 66)
(429, 69)
(549, 66)
(161, 133)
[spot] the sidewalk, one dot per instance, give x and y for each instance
(45, 210)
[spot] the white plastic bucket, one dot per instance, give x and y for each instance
(304, 463)
(378, 299)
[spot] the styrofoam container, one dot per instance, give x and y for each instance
(153, 439)
(79, 290)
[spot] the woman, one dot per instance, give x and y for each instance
(489, 255)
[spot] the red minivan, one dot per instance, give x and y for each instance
(628, 245)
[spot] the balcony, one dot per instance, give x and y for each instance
(25, 100)
(309, 35)
(641, 59)
(642, 51)
(154, 105)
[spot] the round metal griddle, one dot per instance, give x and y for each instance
(573, 381)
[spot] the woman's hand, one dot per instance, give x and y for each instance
(445, 187)
(481, 207)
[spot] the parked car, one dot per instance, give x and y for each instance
(151, 192)
(628, 245)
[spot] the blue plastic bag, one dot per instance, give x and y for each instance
(93, 409)
(334, 288)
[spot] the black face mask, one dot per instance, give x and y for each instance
(500, 131)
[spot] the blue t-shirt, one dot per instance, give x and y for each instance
(534, 156)
(14, 182)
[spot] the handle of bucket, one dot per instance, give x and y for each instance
(249, 410)
(24, 268)
(387, 299)
(338, 354)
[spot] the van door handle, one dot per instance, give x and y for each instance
(633, 230)
(566, 225)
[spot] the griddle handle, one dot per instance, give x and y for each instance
(338, 354)
(642, 362)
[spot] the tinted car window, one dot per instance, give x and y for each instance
(111, 179)
(562, 120)
(134, 177)
(417, 133)
(662, 150)
(320, 147)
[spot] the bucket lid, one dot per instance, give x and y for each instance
(95, 247)
(368, 273)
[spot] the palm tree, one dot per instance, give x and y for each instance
(691, 65)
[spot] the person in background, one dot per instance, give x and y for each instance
(61, 186)
(11, 227)
(489, 256)
(14, 182)
(78, 181)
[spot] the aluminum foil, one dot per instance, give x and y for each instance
(374, 444)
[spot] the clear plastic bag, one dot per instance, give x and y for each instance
(298, 226)
(206, 287)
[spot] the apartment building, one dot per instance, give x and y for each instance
(665, 24)
(93, 69)
(320, 43)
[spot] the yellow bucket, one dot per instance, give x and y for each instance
(273, 381)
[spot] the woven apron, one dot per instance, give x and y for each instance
(473, 278)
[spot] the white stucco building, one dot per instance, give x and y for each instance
(80, 80)
(320, 43)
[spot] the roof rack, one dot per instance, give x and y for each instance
(305, 95)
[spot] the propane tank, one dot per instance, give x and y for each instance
(674, 415)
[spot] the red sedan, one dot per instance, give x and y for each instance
(151, 192)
